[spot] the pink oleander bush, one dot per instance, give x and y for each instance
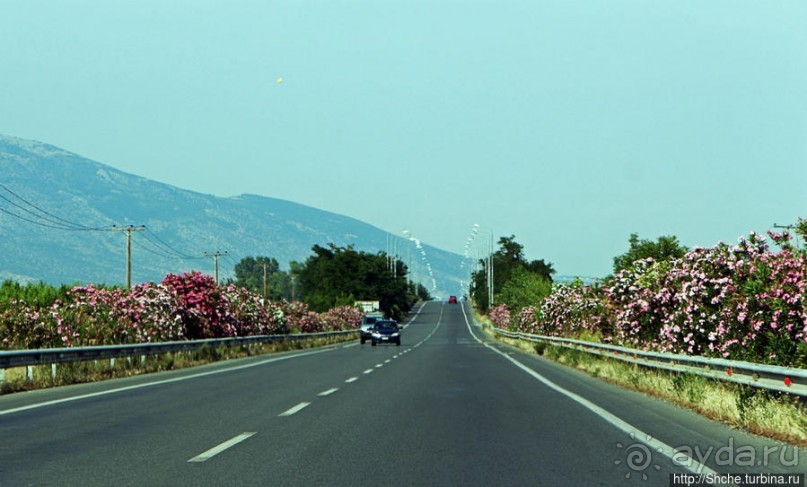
(181, 307)
(573, 311)
(500, 316)
(301, 319)
(341, 318)
(743, 302)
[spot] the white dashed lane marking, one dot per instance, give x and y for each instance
(328, 392)
(203, 457)
(295, 409)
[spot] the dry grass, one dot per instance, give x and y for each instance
(16, 379)
(774, 415)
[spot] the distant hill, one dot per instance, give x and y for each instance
(52, 199)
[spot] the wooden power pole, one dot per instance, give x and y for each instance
(216, 256)
(129, 231)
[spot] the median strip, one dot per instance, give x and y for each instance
(203, 457)
(296, 409)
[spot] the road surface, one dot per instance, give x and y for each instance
(448, 407)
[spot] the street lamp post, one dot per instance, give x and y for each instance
(487, 261)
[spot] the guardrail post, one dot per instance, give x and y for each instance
(112, 363)
(89, 357)
(53, 371)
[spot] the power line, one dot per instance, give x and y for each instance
(177, 254)
(789, 228)
(159, 247)
(152, 250)
(57, 221)
(36, 222)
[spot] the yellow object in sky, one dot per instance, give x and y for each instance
(280, 81)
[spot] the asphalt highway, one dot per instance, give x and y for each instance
(448, 407)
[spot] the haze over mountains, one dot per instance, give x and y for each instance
(57, 210)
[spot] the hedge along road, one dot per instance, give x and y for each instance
(446, 407)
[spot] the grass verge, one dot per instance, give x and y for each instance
(17, 379)
(771, 414)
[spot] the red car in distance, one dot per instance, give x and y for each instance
(452, 300)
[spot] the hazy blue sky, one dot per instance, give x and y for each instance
(568, 123)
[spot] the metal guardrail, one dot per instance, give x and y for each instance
(770, 377)
(45, 356)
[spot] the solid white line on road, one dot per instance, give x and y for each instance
(328, 392)
(439, 322)
(368, 371)
(352, 379)
(676, 456)
(296, 409)
(159, 382)
(203, 457)
(416, 314)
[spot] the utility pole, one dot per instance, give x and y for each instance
(389, 253)
(216, 256)
(129, 231)
(395, 259)
(490, 272)
(264, 279)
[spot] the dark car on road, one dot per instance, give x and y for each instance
(386, 331)
(366, 327)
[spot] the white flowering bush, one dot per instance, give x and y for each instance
(181, 307)
(744, 302)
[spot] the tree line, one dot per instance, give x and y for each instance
(334, 276)
(519, 283)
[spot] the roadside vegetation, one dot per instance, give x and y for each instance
(19, 379)
(181, 307)
(774, 415)
(334, 276)
(192, 306)
(743, 302)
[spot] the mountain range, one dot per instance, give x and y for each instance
(58, 209)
